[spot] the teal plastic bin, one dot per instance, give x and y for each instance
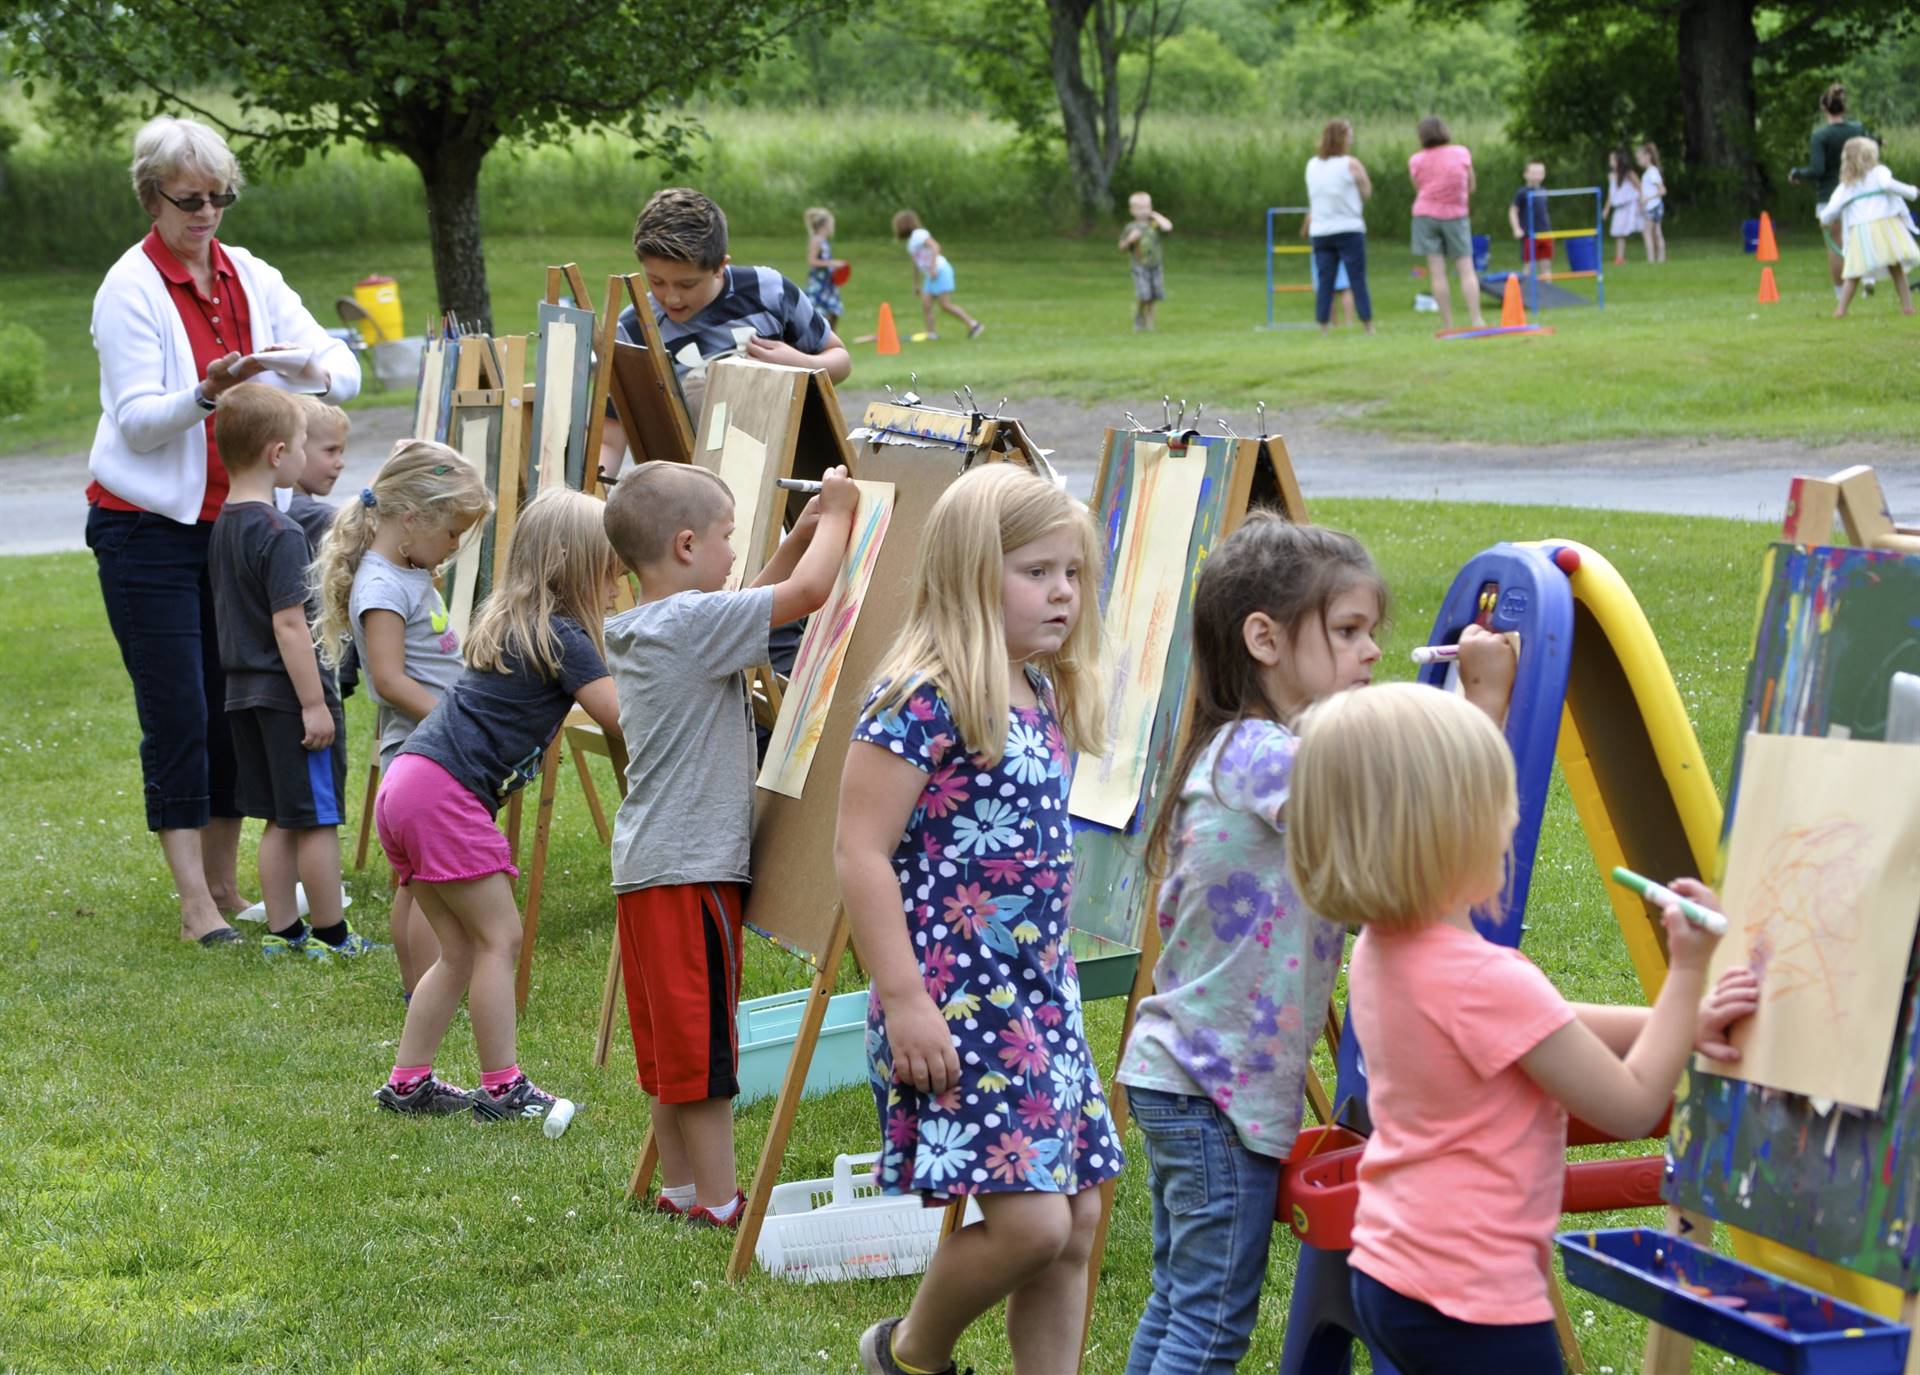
(768, 1028)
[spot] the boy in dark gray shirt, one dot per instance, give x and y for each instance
(682, 838)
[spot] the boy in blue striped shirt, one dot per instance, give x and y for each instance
(705, 307)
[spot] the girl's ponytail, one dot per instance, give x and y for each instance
(331, 576)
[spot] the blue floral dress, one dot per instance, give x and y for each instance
(986, 877)
(820, 288)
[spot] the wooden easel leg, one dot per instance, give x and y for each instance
(1667, 1352)
(513, 829)
(609, 1003)
(1317, 1101)
(953, 1217)
(1910, 1315)
(767, 1173)
(645, 1167)
(1563, 1328)
(366, 812)
(537, 875)
(592, 795)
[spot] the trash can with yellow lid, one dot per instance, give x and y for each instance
(380, 298)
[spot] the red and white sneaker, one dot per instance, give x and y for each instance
(701, 1216)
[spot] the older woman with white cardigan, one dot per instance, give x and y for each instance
(176, 323)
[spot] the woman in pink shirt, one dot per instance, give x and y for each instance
(1401, 817)
(1442, 173)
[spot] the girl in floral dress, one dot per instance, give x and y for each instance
(955, 858)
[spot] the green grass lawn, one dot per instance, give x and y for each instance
(193, 1176)
(1680, 350)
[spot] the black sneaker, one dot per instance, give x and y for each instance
(876, 1351)
(431, 1097)
(525, 1100)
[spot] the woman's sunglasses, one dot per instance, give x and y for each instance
(192, 205)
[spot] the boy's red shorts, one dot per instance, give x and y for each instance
(680, 956)
(1536, 250)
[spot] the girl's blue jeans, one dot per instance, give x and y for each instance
(1212, 1225)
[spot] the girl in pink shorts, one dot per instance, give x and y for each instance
(534, 652)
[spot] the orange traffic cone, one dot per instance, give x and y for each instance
(1513, 312)
(1768, 251)
(1769, 293)
(887, 340)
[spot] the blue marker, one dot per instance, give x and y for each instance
(1662, 896)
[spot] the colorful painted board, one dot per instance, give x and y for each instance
(1822, 893)
(1112, 890)
(1844, 1185)
(1150, 568)
(823, 650)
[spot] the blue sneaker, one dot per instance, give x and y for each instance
(276, 948)
(354, 946)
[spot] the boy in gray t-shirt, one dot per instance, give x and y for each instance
(432, 646)
(683, 835)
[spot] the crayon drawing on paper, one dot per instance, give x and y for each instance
(823, 649)
(1144, 602)
(1822, 896)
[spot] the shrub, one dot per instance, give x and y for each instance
(23, 364)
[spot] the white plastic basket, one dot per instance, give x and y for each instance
(844, 1228)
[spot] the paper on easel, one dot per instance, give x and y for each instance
(296, 370)
(1148, 576)
(717, 426)
(1822, 895)
(743, 467)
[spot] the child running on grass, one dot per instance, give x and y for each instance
(822, 290)
(933, 274)
(1401, 820)
(1283, 616)
(533, 654)
(378, 602)
(284, 711)
(684, 833)
(1873, 222)
(955, 857)
(1142, 240)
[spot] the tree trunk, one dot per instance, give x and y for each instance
(451, 171)
(1717, 47)
(1080, 108)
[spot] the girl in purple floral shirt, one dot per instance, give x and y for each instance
(955, 857)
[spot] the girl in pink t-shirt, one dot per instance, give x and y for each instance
(1402, 816)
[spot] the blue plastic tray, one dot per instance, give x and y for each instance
(768, 1027)
(1644, 1269)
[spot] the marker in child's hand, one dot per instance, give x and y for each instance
(1434, 654)
(1661, 896)
(797, 484)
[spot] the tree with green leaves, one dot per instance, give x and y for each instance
(1607, 65)
(440, 82)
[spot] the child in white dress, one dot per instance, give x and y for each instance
(1623, 197)
(1873, 223)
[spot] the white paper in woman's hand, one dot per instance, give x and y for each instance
(293, 369)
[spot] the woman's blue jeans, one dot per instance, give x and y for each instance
(1212, 1226)
(1330, 252)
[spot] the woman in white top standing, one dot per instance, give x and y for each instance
(175, 323)
(1336, 186)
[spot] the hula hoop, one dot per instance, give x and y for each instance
(1836, 249)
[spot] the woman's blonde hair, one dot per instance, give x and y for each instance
(166, 148)
(955, 634)
(559, 564)
(1336, 139)
(422, 479)
(1858, 156)
(1402, 795)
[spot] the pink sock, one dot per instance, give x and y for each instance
(497, 1081)
(405, 1077)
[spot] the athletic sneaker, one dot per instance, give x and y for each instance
(354, 946)
(973, 330)
(523, 1099)
(668, 1208)
(431, 1097)
(702, 1216)
(876, 1351)
(274, 947)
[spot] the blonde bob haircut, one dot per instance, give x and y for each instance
(421, 481)
(955, 635)
(1858, 156)
(559, 564)
(167, 148)
(1402, 798)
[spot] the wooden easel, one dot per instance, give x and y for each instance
(639, 380)
(1112, 873)
(1855, 497)
(793, 837)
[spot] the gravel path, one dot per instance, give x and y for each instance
(46, 511)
